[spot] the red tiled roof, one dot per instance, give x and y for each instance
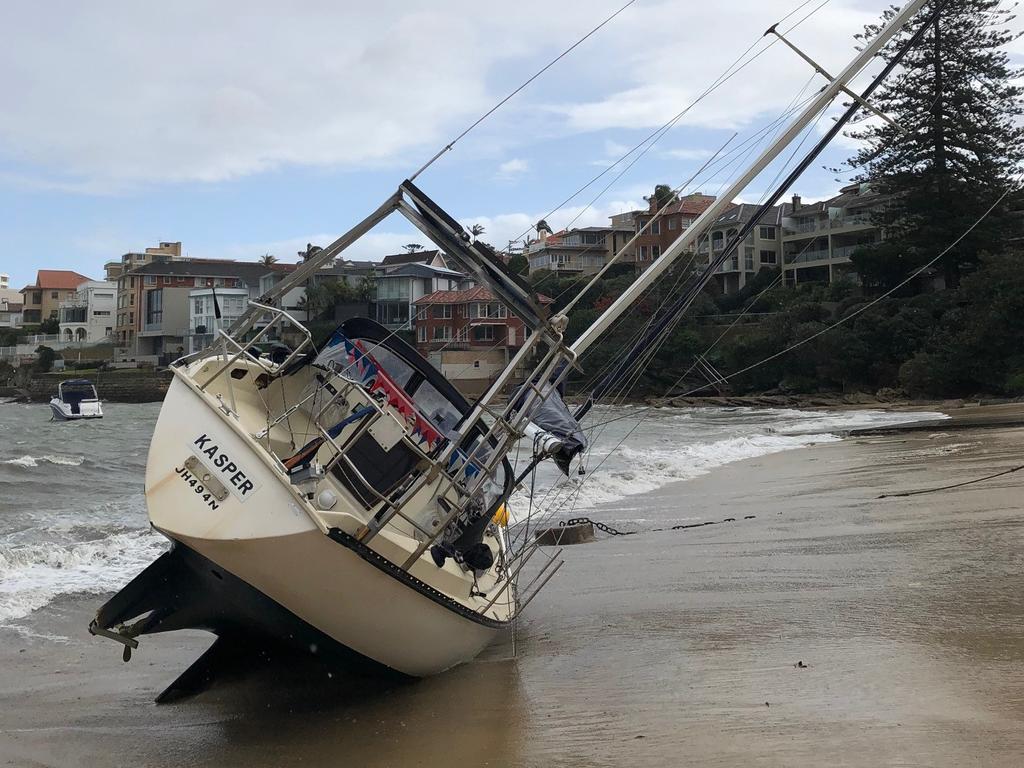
(58, 279)
(691, 204)
(479, 293)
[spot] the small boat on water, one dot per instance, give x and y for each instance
(76, 399)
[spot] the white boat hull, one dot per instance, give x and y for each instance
(260, 535)
(87, 410)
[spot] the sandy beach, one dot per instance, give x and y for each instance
(659, 649)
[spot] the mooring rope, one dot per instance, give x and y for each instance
(954, 485)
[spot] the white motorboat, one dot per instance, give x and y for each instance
(347, 500)
(76, 399)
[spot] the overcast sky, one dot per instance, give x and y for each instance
(242, 128)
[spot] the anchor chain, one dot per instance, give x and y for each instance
(600, 526)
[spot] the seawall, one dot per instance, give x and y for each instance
(126, 385)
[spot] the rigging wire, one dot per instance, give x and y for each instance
(501, 103)
(731, 71)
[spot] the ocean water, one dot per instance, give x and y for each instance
(73, 515)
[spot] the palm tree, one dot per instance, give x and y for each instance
(412, 247)
(476, 230)
(267, 259)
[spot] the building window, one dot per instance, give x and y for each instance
(131, 318)
(131, 299)
(167, 279)
(643, 253)
(37, 297)
(748, 259)
(54, 294)
(767, 233)
(442, 311)
(768, 257)
(149, 280)
(655, 252)
(673, 223)
(483, 333)
(154, 307)
(421, 333)
(494, 310)
(198, 306)
(442, 333)
(655, 227)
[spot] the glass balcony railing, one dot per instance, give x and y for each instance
(805, 256)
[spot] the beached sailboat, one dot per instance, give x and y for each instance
(347, 499)
(76, 399)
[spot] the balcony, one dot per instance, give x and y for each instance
(806, 256)
(860, 221)
(801, 226)
(157, 329)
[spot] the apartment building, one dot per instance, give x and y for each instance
(760, 249)
(154, 317)
(5, 281)
(10, 308)
(657, 233)
(819, 238)
(400, 287)
(42, 300)
(203, 306)
(127, 286)
(469, 335)
(88, 316)
(576, 251)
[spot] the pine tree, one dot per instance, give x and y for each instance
(957, 141)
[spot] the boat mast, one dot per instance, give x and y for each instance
(689, 236)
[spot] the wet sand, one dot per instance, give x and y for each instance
(660, 649)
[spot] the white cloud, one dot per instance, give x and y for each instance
(103, 96)
(512, 169)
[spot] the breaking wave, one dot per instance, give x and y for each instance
(35, 461)
(643, 470)
(34, 574)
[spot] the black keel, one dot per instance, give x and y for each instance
(201, 674)
(184, 590)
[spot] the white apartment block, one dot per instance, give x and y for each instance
(819, 238)
(203, 322)
(88, 317)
